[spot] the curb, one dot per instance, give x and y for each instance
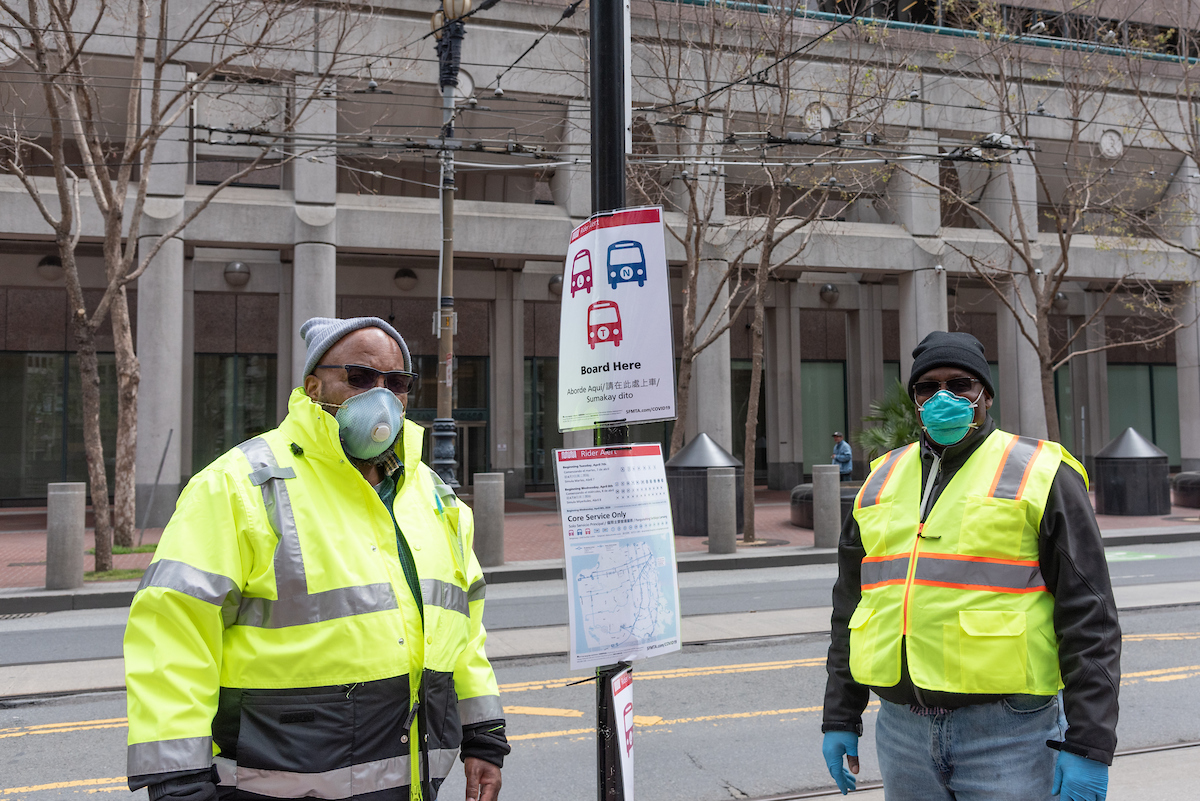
(36, 600)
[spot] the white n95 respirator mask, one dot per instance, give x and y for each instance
(370, 422)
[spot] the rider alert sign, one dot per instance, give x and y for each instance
(616, 357)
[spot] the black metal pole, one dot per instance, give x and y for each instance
(608, 193)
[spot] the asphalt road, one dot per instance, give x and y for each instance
(96, 634)
(715, 722)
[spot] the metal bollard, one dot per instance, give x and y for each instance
(489, 519)
(722, 510)
(827, 505)
(66, 508)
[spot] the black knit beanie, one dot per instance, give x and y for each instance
(946, 349)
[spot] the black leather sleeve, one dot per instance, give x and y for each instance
(845, 699)
(486, 741)
(1085, 617)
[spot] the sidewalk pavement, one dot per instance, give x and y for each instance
(533, 549)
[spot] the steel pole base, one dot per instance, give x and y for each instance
(445, 443)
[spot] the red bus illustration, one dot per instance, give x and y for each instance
(581, 272)
(629, 728)
(604, 323)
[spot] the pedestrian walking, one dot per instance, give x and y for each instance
(313, 613)
(842, 456)
(972, 588)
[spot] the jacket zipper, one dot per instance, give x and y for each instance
(934, 474)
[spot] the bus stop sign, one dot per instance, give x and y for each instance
(615, 344)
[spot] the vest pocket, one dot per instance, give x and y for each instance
(991, 653)
(295, 732)
(996, 527)
(873, 527)
(862, 645)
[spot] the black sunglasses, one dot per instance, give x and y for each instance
(924, 390)
(360, 376)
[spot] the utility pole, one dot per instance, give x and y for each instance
(449, 50)
(609, 103)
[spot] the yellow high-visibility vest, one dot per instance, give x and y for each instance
(963, 591)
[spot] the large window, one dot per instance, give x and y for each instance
(541, 421)
(1146, 397)
(41, 436)
(823, 406)
(740, 387)
(234, 400)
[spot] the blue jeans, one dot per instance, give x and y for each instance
(986, 752)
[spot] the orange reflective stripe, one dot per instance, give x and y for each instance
(1015, 467)
(878, 571)
(873, 489)
(979, 573)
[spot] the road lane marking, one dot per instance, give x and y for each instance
(37, 788)
(1188, 635)
(62, 728)
(544, 711)
(673, 673)
(656, 721)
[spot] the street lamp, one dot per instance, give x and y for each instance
(449, 37)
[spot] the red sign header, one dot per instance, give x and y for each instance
(614, 452)
(631, 217)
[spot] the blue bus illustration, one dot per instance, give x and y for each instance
(626, 262)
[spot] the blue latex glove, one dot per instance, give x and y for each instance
(1078, 778)
(835, 745)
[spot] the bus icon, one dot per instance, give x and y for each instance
(626, 262)
(581, 272)
(604, 323)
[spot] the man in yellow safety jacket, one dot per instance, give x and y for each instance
(311, 625)
(972, 588)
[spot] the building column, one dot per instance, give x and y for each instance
(571, 185)
(711, 401)
(785, 421)
(160, 328)
(1020, 387)
(507, 355)
(1094, 366)
(864, 363)
(1187, 369)
(912, 192)
(922, 310)
(314, 265)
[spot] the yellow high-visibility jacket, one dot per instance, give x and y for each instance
(961, 592)
(275, 634)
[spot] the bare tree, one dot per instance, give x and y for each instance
(102, 154)
(1045, 167)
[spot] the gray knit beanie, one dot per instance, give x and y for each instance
(321, 333)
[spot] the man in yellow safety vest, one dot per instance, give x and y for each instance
(972, 588)
(311, 625)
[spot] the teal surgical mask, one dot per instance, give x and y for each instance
(370, 422)
(947, 417)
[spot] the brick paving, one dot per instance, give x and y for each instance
(531, 532)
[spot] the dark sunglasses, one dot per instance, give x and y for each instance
(360, 376)
(924, 390)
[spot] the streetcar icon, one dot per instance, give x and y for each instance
(626, 262)
(581, 272)
(604, 323)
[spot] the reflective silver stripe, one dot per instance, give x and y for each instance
(296, 607)
(368, 777)
(477, 591)
(164, 756)
(329, 605)
(445, 595)
(264, 474)
(211, 588)
(441, 762)
(1016, 465)
(480, 708)
(980, 574)
(869, 495)
(879, 571)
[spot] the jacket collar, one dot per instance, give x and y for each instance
(316, 432)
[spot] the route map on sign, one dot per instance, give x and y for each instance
(622, 584)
